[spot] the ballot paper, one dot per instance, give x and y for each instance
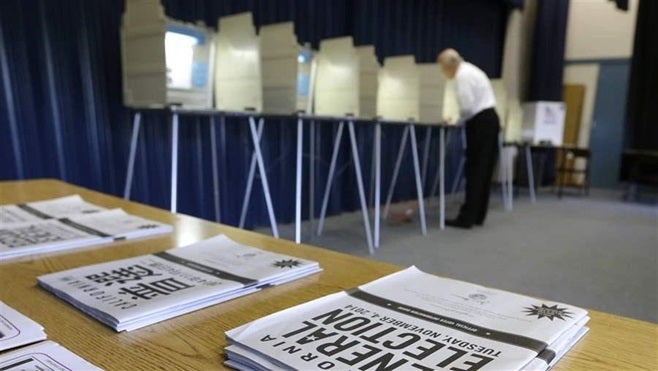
(45, 356)
(46, 209)
(132, 293)
(16, 329)
(559, 347)
(410, 320)
(20, 239)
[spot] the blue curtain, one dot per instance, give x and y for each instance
(641, 128)
(548, 50)
(61, 114)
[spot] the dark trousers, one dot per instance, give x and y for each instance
(481, 154)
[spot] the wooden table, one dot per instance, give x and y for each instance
(196, 341)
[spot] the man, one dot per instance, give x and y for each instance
(477, 109)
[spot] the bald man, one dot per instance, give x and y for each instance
(477, 109)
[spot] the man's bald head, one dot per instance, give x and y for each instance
(449, 59)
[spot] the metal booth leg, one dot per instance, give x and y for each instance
(215, 170)
(426, 153)
(311, 178)
(531, 175)
(378, 178)
(131, 157)
(442, 179)
(263, 174)
(298, 181)
(330, 177)
(359, 182)
(250, 179)
(174, 162)
(419, 180)
(396, 170)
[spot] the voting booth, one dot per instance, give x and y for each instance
(237, 65)
(337, 81)
(399, 89)
(286, 68)
(432, 93)
(543, 122)
(164, 62)
(368, 81)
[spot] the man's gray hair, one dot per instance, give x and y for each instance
(450, 58)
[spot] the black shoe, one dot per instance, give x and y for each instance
(479, 223)
(458, 223)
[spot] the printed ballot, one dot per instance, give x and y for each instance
(16, 329)
(132, 293)
(45, 356)
(35, 237)
(410, 320)
(46, 209)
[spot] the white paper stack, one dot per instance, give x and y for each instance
(132, 293)
(45, 356)
(46, 209)
(27, 238)
(16, 329)
(410, 320)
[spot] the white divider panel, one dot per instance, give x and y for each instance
(164, 61)
(451, 107)
(500, 93)
(337, 79)
(279, 54)
(368, 81)
(514, 120)
(237, 65)
(399, 89)
(432, 91)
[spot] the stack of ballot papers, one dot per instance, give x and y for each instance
(132, 293)
(76, 230)
(46, 209)
(45, 356)
(16, 329)
(410, 320)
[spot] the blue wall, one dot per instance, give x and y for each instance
(608, 122)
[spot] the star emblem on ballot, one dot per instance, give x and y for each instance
(287, 263)
(544, 311)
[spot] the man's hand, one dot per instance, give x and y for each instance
(448, 120)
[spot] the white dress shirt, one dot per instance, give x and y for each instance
(474, 91)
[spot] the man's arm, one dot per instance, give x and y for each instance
(465, 97)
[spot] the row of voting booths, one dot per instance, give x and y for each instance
(172, 63)
(239, 70)
(167, 62)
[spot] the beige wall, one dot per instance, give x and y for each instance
(597, 29)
